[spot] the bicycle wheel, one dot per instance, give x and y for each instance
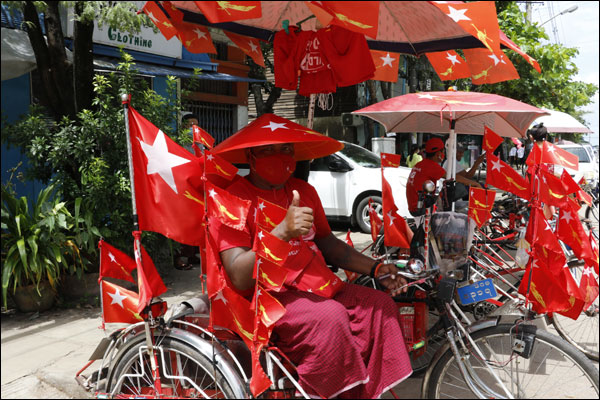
(591, 215)
(184, 372)
(554, 369)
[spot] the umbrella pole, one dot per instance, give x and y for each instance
(451, 173)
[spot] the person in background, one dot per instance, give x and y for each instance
(538, 134)
(414, 158)
(186, 256)
(520, 156)
(464, 177)
(512, 156)
(427, 169)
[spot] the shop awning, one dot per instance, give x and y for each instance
(108, 64)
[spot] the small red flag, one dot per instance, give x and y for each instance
(481, 202)
(569, 183)
(396, 230)
(491, 140)
(584, 197)
(227, 208)
(539, 232)
(502, 176)
(269, 309)
(349, 239)
(195, 38)
(488, 67)
(250, 46)
(588, 286)
(390, 160)
(511, 45)
(593, 260)
(160, 19)
(318, 279)
(375, 221)
(271, 276)
(449, 65)
(571, 232)
(552, 190)
(227, 11)
(270, 247)
(114, 263)
(202, 137)
(150, 284)
(216, 165)
(175, 14)
(215, 280)
(119, 304)
(386, 65)
(269, 215)
(552, 154)
(260, 381)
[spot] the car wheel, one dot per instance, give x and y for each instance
(362, 212)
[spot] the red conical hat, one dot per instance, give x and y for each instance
(271, 129)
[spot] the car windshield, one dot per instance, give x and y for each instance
(579, 152)
(361, 156)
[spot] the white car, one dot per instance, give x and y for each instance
(588, 165)
(347, 179)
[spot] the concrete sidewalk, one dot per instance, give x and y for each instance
(42, 353)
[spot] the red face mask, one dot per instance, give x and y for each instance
(276, 168)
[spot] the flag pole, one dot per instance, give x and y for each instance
(125, 100)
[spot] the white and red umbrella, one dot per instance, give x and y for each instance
(451, 113)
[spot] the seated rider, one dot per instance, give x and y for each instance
(347, 346)
(464, 177)
(428, 169)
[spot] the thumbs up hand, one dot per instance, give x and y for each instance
(297, 221)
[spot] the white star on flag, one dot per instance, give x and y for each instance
(220, 297)
(547, 228)
(117, 298)
(551, 148)
(253, 47)
(112, 257)
(567, 216)
(261, 205)
(497, 60)
(387, 60)
(209, 157)
(276, 125)
(260, 235)
(212, 193)
(161, 161)
(452, 58)
(496, 165)
(391, 217)
(200, 34)
(588, 271)
(458, 15)
(425, 96)
(153, 18)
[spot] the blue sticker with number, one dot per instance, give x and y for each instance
(477, 291)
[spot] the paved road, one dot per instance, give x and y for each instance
(40, 354)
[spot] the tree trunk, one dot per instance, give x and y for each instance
(370, 128)
(83, 61)
(386, 89)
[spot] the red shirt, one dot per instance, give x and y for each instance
(423, 171)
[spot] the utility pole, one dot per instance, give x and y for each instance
(528, 11)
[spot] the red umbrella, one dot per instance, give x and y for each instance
(451, 113)
(271, 129)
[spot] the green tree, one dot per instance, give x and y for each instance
(555, 87)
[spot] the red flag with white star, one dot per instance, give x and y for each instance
(229, 209)
(502, 176)
(250, 46)
(150, 284)
(119, 305)
(160, 19)
(271, 276)
(168, 186)
(481, 202)
(319, 279)
(202, 137)
(269, 215)
(390, 160)
(270, 247)
(488, 67)
(195, 38)
(491, 140)
(358, 16)
(216, 165)
(552, 190)
(114, 263)
(571, 232)
(448, 65)
(386, 65)
(588, 285)
(396, 230)
(375, 221)
(593, 260)
(552, 154)
(270, 310)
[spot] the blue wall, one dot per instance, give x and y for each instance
(16, 97)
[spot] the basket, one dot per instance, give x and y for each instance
(413, 322)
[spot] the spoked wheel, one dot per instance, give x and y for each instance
(591, 216)
(184, 373)
(553, 369)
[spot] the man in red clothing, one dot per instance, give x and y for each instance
(352, 338)
(428, 169)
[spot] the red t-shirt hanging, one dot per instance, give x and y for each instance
(316, 75)
(423, 171)
(285, 56)
(348, 55)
